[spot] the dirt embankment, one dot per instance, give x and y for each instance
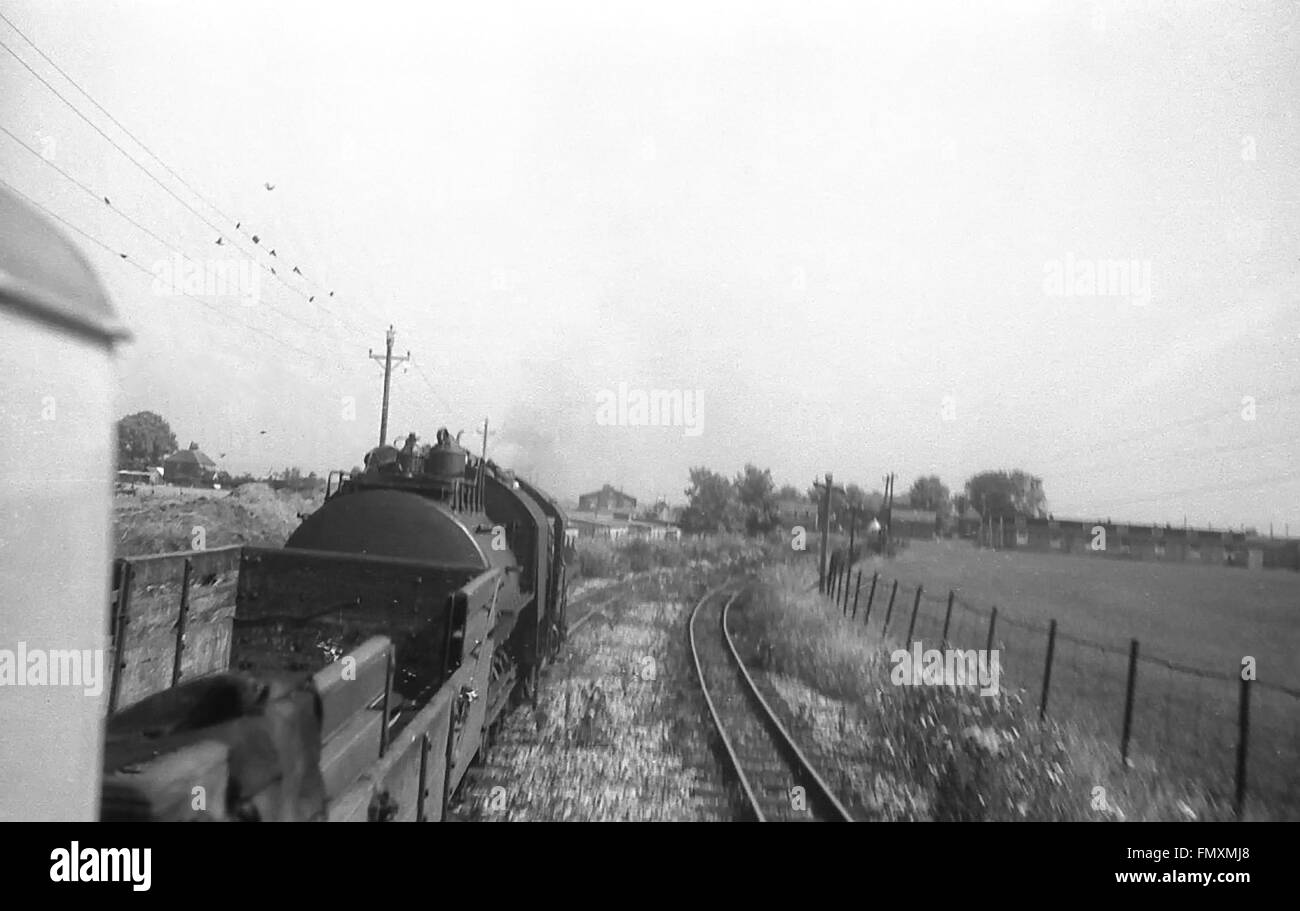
(157, 521)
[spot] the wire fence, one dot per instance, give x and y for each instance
(1235, 736)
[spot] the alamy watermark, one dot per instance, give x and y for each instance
(53, 667)
(946, 667)
(1077, 277)
(75, 864)
(237, 279)
(651, 408)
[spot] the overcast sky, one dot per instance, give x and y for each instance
(861, 233)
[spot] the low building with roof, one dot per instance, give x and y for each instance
(189, 467)
(607, 499)
(913, 523)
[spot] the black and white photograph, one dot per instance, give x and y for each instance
(652, 412)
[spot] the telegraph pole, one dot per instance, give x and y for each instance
(886, 529)
(387, 359)
(485, 436)
(482, 464)
(826, 528)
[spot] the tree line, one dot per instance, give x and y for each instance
(750, 502)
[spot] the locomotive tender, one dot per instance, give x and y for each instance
(353, 674)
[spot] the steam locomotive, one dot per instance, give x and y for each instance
(353, 674)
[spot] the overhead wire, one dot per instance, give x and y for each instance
(143, 228)
(125, 258)
(153, 177)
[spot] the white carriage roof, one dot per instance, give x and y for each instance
(43, 274)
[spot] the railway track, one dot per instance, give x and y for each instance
(768, 764)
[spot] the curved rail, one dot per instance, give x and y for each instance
(763, 754)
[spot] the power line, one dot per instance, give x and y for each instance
(123, 257)
(150, 152)
(420, 370)
(110, 139)
(1180, 454)
(1257, 482)
(1163, 428)
(97, 197)
(137, 163)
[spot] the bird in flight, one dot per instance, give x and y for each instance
(297, 270)
(106, 202)
(220, 241)
(269, 186)
(256, 239)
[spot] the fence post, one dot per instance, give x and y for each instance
(848, 577)
(993, 622)
(866, 618)
(857, 590)
(182, 617)
(1047, 670)
(911, 625)
(1243, 740)
(1128, 701)
(947, 618)
(890, 611)
(123, 612)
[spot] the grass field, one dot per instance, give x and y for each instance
(935, 752)
(1194, 625)
(1205, 616)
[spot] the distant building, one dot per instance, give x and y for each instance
(797, 511)
(189, 467)
(132, 479)
(607, 499)
(597, 526)
(913, 523)
(968, 523)
(1159, 543)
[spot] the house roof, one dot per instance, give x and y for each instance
(189, 457)
(608, 488)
